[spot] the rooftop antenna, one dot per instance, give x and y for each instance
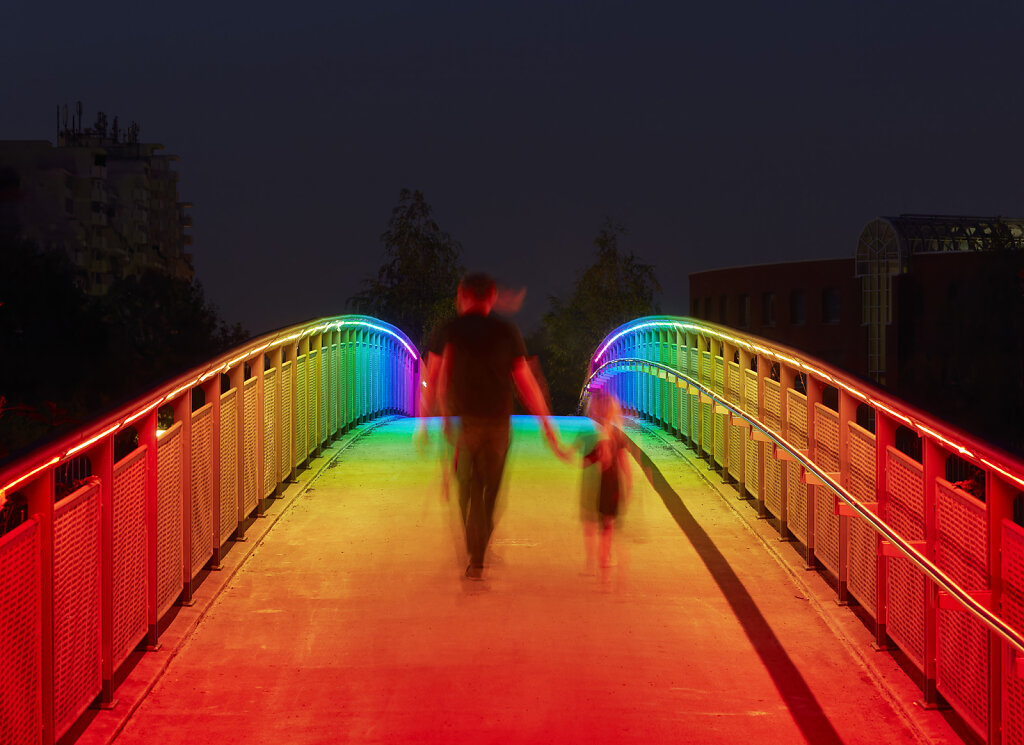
(78, 107)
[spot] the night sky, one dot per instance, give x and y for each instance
(720, 134)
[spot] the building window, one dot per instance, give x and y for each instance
(744, 311)
(768, 309)
(830, 305)
(695, 308)
(723, 308)
(707, 309)
(798, 307)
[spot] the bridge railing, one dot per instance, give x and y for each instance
(118, 518)
(915, 521)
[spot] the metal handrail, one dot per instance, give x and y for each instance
(983, 614)
(22, 468)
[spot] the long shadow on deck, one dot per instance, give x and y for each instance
(802, 704)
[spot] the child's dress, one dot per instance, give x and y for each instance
(606, 453)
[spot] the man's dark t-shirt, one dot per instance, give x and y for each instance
(483, 350)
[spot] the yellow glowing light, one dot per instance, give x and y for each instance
(1004, 472)
(896, 414)
(30, 474)
(142, 411)
(87, 443)
(955, 446)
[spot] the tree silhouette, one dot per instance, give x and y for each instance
(415, 287)
(67, 356)
(615, 289)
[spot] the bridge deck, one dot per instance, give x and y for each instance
(349, 622)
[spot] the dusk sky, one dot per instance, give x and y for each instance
(720, 134)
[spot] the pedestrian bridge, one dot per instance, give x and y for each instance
(255, 551)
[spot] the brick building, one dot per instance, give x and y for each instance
(929, 306)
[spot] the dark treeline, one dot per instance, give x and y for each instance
(67, 356)
(415, 289)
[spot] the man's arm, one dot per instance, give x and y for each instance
(533, 399)
(529, 389)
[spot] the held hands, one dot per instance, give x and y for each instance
(564, 454)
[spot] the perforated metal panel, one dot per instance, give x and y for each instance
(228, 464)
(300, 412)
(312, 369)
(77, 661)
(129, 548)
(20, 643)
(270, 436)
(863, 556)
(287, 431)
(202, 488)
(250, 442)
(752, 473)
(963, 645)
(826, 522)
(169, 561)
(1013, 613)
(796, 492)
(905, 487)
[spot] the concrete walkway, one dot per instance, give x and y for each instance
(350, 622)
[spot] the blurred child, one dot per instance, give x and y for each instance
(607, 489)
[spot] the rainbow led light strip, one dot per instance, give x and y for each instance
(220, 368)
(994, 622)
(706, 330)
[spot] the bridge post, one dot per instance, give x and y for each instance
(288, 438)
(183, 413)
(999, 498)
(632, 395)
(934, 466)
(885, 437)
(101, 461)
(258, 368)
(211, 389)
(729, 353)
(236, 379)
(146, 428)
(315, 375)
(691, 341)
(676, 393)
(764, 367)
(814, 389)
(300, 401)
(745, 360)
(703, 347)
(847, 414)
(276, 363)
